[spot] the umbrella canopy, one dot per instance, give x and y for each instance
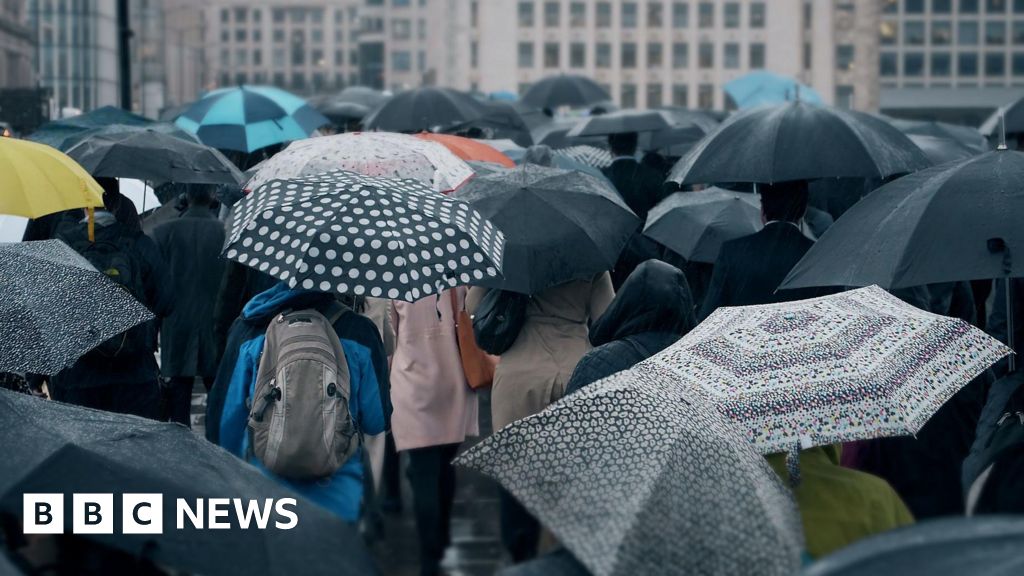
(623, 121)
(563, 161)
(55, 307)
(65, 138)
(142, 195)
(248, 118)
(12, 228)
(851, 366)
(371, 153)
(696, 224)
(555, 133)
(501, 120)
(958, 221)
(468, 149)
(57, 132)
(565, 90)
(341, 112)
(354, 234)
(761, 87)
(154, 156)
(588, 155)
(60, 448)
(363, 95)
(558, 563)
(964, 136)
(988, 545)
(1010, 116)
(559, 225)
(424, 109)
(942, 150)
(799, 141)
(39, 180)
(688, 127)
(634, 477)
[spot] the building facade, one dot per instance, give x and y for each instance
(17, 46)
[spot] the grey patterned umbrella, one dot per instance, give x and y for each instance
(589, 155)
(353, 234)
(55, 307)
(633, 477)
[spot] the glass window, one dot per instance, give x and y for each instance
(278, 35)
(240, 35)
(1018, 6)
(317, 35)
(756, 55)
(889, 32)
(732, 55)
(706, 55)
(680, 14)
(241, 14)
(655, 14)
(552, 11)
(942, 6)
(654, 54)
(706, 15)
(225, 36)
(844, 96)
(628, 55)
(552, 55)
(603, 55)
(278, 58)
(629, 14)
(732, 15)
(401, 61)
(578, 14)
(680, 55)
(1018, 32)
(890, 6)
(654, 95)
(995, 33)
(969, 6)
(628, 96)
(995, 64)
(967, 64)
(942, 64)
(844, 57)
(225, 58)
(578, 55)
(913, 6)
(942, 32)
(526, 14)
(888, 64)
(967, 33)
(604, 15)
(995, 6)
(1018, 63)
(913, 33)
(680, 95)
(526, 54)
(757, 14)
(705, 96)
(913, 64)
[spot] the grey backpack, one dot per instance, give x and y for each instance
(300, 426)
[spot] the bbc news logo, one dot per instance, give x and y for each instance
(144, 514)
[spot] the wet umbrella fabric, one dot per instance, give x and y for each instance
(557, 563)
(248, 118)
(856, 365)
(153, 156)
(965, 136)
(59, 448)
(938, 225)
(942, 150)
(623, 121)
(371, 153)
(353, 234)
(1008, 119)
(565, 90)
(55, 307)
(589, 155)
(799, 141)
(696, 224)
(988, 545)
(55, 133)
(559, 225)
(634, 477)
(468, 149)
(64, 139)
(502, 121)
(425, 109)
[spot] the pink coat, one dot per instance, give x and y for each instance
(433, 405)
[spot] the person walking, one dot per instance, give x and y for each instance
(434, 412)
(191, 247)
(534, 372)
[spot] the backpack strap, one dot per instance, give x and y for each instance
(334, 311)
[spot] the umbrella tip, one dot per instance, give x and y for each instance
(1002, 131)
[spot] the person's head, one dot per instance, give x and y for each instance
(111, 193)
(198, 195)
(785, 201)
(622, 144)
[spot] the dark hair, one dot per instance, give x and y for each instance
(623, 144)
(198, 195)
(784, 200)
(111, 193)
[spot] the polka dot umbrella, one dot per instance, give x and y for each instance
(354, 234)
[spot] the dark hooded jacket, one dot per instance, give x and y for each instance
(651, 311)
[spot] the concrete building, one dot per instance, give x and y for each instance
(952, 60)
(76, 55)
(184, 52)
(17, 46)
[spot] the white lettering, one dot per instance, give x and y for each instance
(195, 517)
(253, 510)
(281, 508)
(218, 508)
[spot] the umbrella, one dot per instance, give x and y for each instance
(1007, 119)
(59, 448)
(371, 153)
(559, 225)
(424, 109)
(559, 160)
(964, 136)
(56, 307)
(500, 120)
(958, 221)
(151, 155)
(142, 195)
(57, 132)
(634, 477)
(12, 228)
(689, 126)
(65, 138)
(588, 155)
(557, 563)
(363, 95)
(798, 141)
(555, 133)
(856, 365)
(468, 149)
(696, 224)
(762, 87)
(39, 180)
(248, 118)
(622, 122)
(356, 234)
(565, 90)
(942, 150)
(982, 545)
(340, 112)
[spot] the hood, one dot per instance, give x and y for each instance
(268, 303)
(655, 298)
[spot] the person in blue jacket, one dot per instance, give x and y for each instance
(341, 493)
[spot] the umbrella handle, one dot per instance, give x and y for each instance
(91, 212)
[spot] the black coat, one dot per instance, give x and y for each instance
(749, 269)
(191, 247)
(651, 311)
(640, 186)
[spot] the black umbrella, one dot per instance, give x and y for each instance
(362, 95)
(942, 150)
(353, 234)
(696, 224)
(341, 112)
(52, 447)
(981, 545)
(623, 121)
(688, 128)
(799, 141)
(1007, 119)
(565, 90)
(965, 136)
(424, 109)
(156, 156)
(500, 120)
(57, 132)
(55, 307)
(559, 225)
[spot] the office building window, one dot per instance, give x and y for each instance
(732, 55)
(680, 95)
(628, 55)
(680, 14)
(942, 32)
(578, 14)
(757, 14)
(913, 64)
(552, 55)
(706, 55)
(474, 54)
(941, 64)
(1018, 6)
(706, 15)
(680, 55)
(967, 33)
(578, 55)
(526, 14)
(655, 57)
(757, 55)
(968, 6)
(967, 64)
(913, 33)
(942, 6)
(705, 96)
(888, 64)
(995, 64)
(913, 6)
(654, 96)
(629, 15)
(844, 57)
(888, 32)
(401, 29)
(1018, 32)
(603, 55)
(401, 61)
(552, 13)
(604, 14)
(627, 97)
(732, 15)
(655, 14)
(995, 33)
(1018, 63)
(996, 6)
(526, 54)
(240, 35)
(844, 96)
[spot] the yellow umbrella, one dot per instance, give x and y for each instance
(40, 180)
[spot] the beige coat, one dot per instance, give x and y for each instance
(534, 371)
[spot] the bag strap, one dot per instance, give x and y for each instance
(334, 311)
